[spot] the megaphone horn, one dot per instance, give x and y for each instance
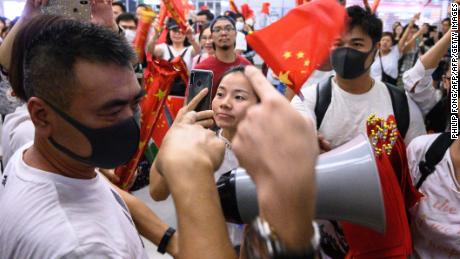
(348, 188)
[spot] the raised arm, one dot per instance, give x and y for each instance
(418, 80)
(196, 47)
(402, 41)
(187, 159)
(152, 44)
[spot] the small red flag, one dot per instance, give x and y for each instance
(301, 2)
(303, 40)
(246, 11)
(265, 8)
(177, 10)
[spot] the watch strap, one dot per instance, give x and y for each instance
(165, 240)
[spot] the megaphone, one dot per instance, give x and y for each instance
(347, 181)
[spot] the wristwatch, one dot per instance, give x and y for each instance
(261, 242)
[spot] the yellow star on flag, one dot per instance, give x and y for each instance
(306, 63)
(284, 78)
(300, 55)
(160, 94)
(287, 54)
(149, 79)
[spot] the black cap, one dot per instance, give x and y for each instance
(171, 24)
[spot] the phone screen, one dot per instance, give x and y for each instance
(200, 79)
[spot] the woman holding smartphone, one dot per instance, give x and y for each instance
(233, 98)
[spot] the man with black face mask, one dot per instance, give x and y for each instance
(82, 97)
(341, 105)
(354, 94)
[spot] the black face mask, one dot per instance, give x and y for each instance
(349, 63)
(111, 146)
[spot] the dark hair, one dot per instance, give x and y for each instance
(146, 6)
(209, 15)
(238, 15)
(220, 18)
(446, 20)
(168, 35)
(202, 30)
(368, 22)
(126, 17)
(121, 5)
(388, 34)
(235, 69)
(46, 50)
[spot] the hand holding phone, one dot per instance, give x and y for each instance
(200, 79)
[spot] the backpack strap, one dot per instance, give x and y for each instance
(171, 55)
(433, 156)
(398, 101)
(323, 99)
(400, 108)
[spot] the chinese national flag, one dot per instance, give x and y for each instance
(177, 11)
(168, 115)
(158, 77)
(299, 41)
(398, 194)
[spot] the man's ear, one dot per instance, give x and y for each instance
(41, 116)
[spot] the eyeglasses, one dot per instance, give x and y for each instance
(226, 29)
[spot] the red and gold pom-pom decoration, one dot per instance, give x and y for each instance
(382, 133)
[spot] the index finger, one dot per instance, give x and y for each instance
(259, 83)
(196, 100)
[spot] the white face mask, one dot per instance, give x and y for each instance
(239, 26)
(130, 35)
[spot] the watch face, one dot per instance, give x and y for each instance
(256, 247)
(258, 244)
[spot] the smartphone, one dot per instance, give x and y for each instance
(200, 79)
(75, 9)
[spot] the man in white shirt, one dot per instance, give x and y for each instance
(354, 96)
(82, 96)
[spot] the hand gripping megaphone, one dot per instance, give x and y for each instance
(347, 182)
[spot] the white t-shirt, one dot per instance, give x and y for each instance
(347, 113)
(436, 218)
(187, 57)
(46, 215)
(418, 84)
(389, 62)
(17, 130)
(241, 43)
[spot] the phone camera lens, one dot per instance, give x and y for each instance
(83, 2)
(198, 83)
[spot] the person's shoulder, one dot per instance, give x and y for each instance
(421, 144)
(243, 60)
(208, 63)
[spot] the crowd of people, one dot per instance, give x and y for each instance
(69, 104)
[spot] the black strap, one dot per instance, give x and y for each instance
(400, 108)
(323, 99)
(165, 240)
(171, 55)
(398, 101)
(433, 156)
